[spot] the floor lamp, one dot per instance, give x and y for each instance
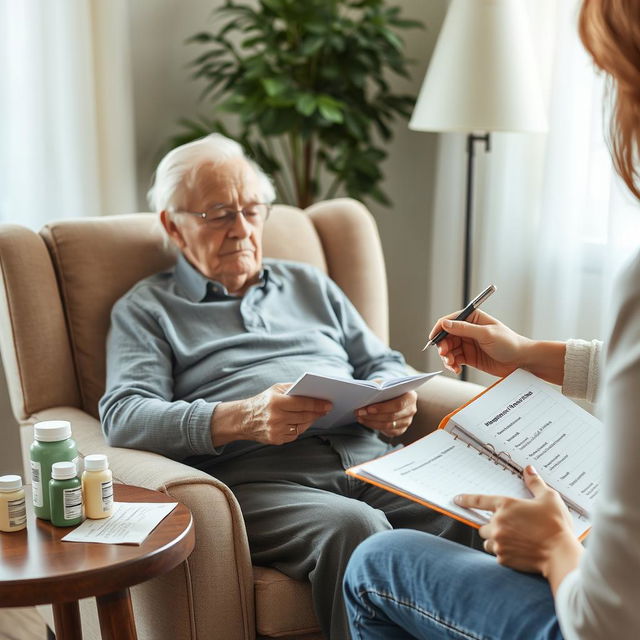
(482, 78)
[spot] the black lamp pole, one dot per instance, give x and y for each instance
(472, 138)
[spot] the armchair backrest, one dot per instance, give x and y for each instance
(58, 287)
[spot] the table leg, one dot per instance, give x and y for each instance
(116, 616)
(66, 620)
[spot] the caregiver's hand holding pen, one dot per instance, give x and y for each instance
(464, 314)
(485, 343)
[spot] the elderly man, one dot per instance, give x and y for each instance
(199, 359)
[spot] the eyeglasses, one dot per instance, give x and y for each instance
(221, 217)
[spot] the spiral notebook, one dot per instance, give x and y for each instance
(484, 446)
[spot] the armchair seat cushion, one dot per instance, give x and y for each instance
(283, 605)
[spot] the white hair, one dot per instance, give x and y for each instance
(176, 172)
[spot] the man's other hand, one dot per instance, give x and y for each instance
(392, 417)
(271, 417)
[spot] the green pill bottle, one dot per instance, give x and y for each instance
(65, 495)
(52, 443)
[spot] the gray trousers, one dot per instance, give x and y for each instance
(304, 516)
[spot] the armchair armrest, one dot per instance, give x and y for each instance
(436, 399)
(211, 594)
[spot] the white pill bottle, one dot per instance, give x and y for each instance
(97, 487)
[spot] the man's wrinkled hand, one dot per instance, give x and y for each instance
(392, 417)
(272, 417)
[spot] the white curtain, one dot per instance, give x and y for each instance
(552, 222)
(588, 224)
(66, 113)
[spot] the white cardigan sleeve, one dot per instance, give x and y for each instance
(582, 369)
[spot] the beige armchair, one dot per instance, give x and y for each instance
(57, 291)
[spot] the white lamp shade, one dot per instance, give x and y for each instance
(482, 75)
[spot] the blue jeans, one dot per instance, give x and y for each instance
(406, 584)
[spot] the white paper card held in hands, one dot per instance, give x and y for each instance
(347, 394)
(130, 523)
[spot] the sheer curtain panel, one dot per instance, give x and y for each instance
(66, 116)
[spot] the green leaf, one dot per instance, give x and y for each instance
(392, 39)
(312, 45)
(274, 122)
(275, 5)
(206, 57)
(338, 43)
(274, 86)
(317, 28)
(330, 109)
(249, 43)
(201, 37)
(379, 196)
(330, 113)
(306, 104)
(353, 126)
(233, 104)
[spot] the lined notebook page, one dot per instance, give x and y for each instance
(535, 424)
(437, 467)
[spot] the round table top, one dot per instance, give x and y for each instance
(37, 568)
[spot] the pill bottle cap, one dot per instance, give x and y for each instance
(52, 430)
(10, 483)
(96, 462)
(63, 470)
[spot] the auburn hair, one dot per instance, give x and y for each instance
(610, 31)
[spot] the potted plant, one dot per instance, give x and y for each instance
(308, 82)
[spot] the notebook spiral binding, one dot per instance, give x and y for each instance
(501, 458)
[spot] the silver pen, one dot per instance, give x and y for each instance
(464, 314)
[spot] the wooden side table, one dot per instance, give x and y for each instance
(37, 568)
